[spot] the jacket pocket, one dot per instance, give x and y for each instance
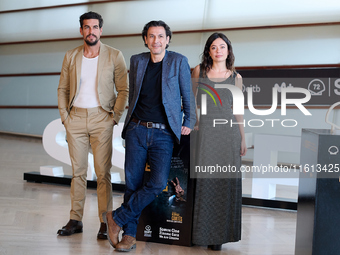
(172, 81)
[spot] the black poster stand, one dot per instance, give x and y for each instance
(318, 221)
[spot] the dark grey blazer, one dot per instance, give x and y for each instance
(176, 90)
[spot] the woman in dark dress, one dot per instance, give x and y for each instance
(218, 196)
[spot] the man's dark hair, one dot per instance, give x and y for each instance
(91, 15)
(155, 23)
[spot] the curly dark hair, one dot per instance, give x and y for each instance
(155, 23)
(207, 61)
(91, 15)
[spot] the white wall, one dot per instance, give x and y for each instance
(259, 47)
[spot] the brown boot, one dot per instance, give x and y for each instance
(126, 244)
(112, 229)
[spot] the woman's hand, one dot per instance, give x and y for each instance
(197, 125)
(243, 150)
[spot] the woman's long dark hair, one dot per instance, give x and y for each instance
(207, 61)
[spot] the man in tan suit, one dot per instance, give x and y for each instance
(89, 108)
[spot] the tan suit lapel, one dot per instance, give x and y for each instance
(101, 61)
(79, 60)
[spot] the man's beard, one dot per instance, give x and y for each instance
(91, 43)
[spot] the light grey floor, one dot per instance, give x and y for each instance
(31, 214)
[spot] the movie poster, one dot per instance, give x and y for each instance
(168, 219)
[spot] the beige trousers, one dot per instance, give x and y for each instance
(84, 128)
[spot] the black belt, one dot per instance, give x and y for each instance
(149, 124)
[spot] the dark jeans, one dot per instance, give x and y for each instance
(143, 144)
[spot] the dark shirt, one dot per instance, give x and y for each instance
(149, 105)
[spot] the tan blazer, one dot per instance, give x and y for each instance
(112, 75)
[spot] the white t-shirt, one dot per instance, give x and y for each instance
(88, 93)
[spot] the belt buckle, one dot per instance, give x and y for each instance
(149, 124)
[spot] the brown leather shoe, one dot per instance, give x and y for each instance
(112, 229)
(126, 244)
(102, 233)
(72, 227)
